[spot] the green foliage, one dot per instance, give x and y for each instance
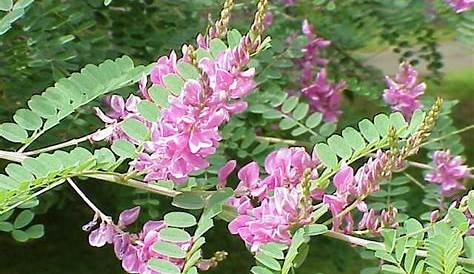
(68, 94)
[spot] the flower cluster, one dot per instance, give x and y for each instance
(353, 188)
(460, 5)
(323, 95)
(403, 92)
(187, 131)
(134, 250)
(448, 171)
(268, 208)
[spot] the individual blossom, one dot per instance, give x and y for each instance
(460, 5)
(119, 110)
(273, 219)
(403, 92)
(374, 222)
(448, 171)
(324, 96)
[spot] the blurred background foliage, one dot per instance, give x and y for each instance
(54, 38)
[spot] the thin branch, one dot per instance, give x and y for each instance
(414, 180)
(12, 156)
(283, 141)
(88, 201)
(72, 142)
(119, 179)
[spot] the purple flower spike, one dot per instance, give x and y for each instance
(460, 5)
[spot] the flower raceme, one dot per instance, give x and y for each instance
(353, 188)
(403, 92)
(279, 196)
(187, 131)
(448, 171)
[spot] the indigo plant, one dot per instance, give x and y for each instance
(251, 127)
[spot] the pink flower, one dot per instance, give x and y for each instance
(187, 132)
(119, 111)
(448, 171)
(272, 220)
(135, 250)
(224, 172)
(460, 5)
(324, 96)
(403, 92)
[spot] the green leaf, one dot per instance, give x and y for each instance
(6, 5)
(369, 131)
(35, 231)
(410, 259)
(123, 149)
(163, 266)
(397, 120)
(23, 219)
(20, 236)
(135, 129)
(272, 114)
(289, 104)
(339, 145)
(300, 111)
(392, 269)
(6, 227)
(174, 83)
(273, 251)
(353, 138)
(180, 219)
(216, 46)
(385, 256)
(382, 123)
(326, 155)
(287, 123)
(13, 133)
(314, 120)
(327, 129)
(174, 235)
(148, 110)
(38, 168)
(233, 38)
(458, 219)
(159, 95)
(27, 119)
(19, 173)
(389, 238)
(412, 226)
(107, 2)
(169, 249)
(268, 261)
(42, 106)
(260, 270)
(315, 229)
(188, 200)
(187, 71)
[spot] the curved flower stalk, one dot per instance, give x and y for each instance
(283, 202)
(403, 92)
(448, 172)
(460, 5)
